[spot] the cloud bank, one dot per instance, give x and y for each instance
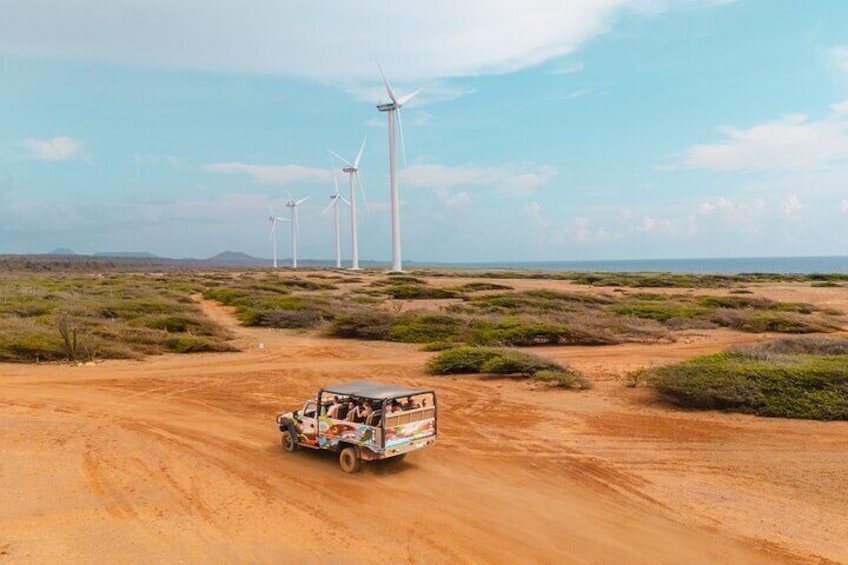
(335, 42)
(60, 148)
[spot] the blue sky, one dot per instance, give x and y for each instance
(555, 130)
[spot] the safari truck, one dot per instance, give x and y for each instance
(362, 421)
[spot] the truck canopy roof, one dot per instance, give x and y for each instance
(366, 389)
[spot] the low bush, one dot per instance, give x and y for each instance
(517, 363)
(459, 360)
(419, 292)
(363, 324)
(482, 286)
(659, 310)
(423, 327)
(292, 319)
(807, 345)
(786, 385)
(564, 379)
(196, 344)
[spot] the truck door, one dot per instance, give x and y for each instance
(308, 422)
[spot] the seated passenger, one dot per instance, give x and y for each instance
(342, 411)
(357, 414)
(410, 404)
(334, 408)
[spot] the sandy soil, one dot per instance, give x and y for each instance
(177, 459)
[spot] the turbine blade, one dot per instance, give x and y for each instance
(273, 231)
(402, 142)
(335, 176)
(291, 198)
(272, 210)
(404, 99)
(342, 159)
(362, 192)
(327, 209)
(343, 199)
(359, 155)
(387, 85)
(301, 201)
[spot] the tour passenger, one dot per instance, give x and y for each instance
(333, 412)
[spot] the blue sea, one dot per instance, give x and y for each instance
(782, 265)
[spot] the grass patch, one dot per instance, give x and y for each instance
(77, 317)
(791, 378)
(463, 360)
(563, 379)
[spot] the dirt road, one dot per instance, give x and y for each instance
(177, 459)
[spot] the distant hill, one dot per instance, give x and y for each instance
(126, 254)
(61, 251)
(235, 258)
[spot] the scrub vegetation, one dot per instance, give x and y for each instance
(801, 377)
(84, 317)
(49, 315)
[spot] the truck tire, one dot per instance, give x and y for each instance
(349, 460)
(289, 441)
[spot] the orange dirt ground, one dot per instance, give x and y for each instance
(177, 459)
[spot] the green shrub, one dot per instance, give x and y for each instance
(564, 379)
(423, 327)
(196, 344)
(419, 292)
(661, 311)
(460, 360)
(514, 331)
(466, 359)
(792, 386)
(291, 319)
(760, 322)
(364, 324)
(517, 363)
(482, 286)
(437, 346)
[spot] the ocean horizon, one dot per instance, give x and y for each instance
(730, 265)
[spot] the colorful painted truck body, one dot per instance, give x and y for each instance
(363, 421)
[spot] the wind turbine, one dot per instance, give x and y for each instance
(273, 218)
(352, 169)
(334, 203)
(392, 108)
(292, 204)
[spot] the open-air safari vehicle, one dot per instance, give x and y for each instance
(363, 421)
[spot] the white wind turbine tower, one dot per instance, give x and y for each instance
(352, 169)
(292, 204)
(392, 108)
(334, 203)
(273, 218)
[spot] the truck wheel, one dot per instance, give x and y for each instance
(289, 442)
(349, 460)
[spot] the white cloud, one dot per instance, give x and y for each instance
(336, 43)
(840, 109)
(793, 142)
(839, 57)
(515, 180)
(271, 174)
(791, 205)
(60, 148)
(458, 200)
